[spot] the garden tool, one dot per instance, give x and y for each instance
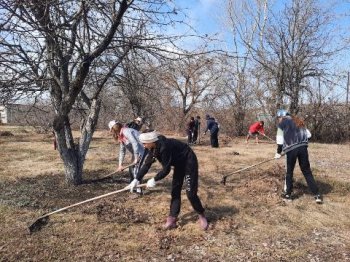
(223, 181)
(44, 219)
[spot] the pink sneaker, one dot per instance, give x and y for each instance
(170, 222)
(203, 222)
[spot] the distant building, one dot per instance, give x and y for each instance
(19, 114)
(14, 113)
(3, 115)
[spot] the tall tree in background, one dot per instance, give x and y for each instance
(245, 20)
(295, 49)
(191, 80)
(70, 49)
(139, 84)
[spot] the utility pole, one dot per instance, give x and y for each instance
(347, 103)
(347, 89)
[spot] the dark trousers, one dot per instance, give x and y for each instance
(195, 135)
(188, 173)
(302, 155)
(214, 141)
(189, 136)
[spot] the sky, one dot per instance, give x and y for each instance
(206, 17)
(202, 14)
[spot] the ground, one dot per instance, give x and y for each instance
(248, 219)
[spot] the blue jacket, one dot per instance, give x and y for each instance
(212, 125)
(289, 136)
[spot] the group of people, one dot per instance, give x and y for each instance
(149, 146)
(193, 129)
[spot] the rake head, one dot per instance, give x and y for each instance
(38, 224)
(223, 180)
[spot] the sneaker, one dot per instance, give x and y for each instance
(170, 222)
(203, 222)
(139, 191)
(318, 199)
(286, 196)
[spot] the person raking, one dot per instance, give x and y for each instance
(173, 153)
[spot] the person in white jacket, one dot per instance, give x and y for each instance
(128, 139)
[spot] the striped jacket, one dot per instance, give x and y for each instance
(289, 136)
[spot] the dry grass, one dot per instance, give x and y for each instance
(248, 220)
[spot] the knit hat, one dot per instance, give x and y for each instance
(148, 137)
(282, 113)
(138, 119)
(111, 124)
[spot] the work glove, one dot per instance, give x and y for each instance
(277, 156)
(308, 133)
(133, 184)
(151, 183)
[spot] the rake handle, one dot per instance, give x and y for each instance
(266, 136)
(248, 167)
(88, 200)
(110, 174)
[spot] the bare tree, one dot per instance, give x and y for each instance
(245, 20)
(139, 86)
(70, 49)
(191, 80)
(295, 49)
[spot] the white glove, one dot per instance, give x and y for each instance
(133, 184)
(308, 133)
(277, 156)
(151, 183)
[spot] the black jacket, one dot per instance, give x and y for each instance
(169, 152)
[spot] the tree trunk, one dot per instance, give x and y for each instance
(239, 116)
(294, 99)
(73, 155)
(68, 151)
(88, 129)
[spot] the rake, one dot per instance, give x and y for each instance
(223, 181)
(115, 172)
(267, 137)
(44, 219)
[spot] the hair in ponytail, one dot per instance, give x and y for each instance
(298, 122)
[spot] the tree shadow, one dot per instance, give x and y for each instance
(50, 191)
(112, 179)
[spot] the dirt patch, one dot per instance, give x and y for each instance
(112, 212)
(6, 133)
